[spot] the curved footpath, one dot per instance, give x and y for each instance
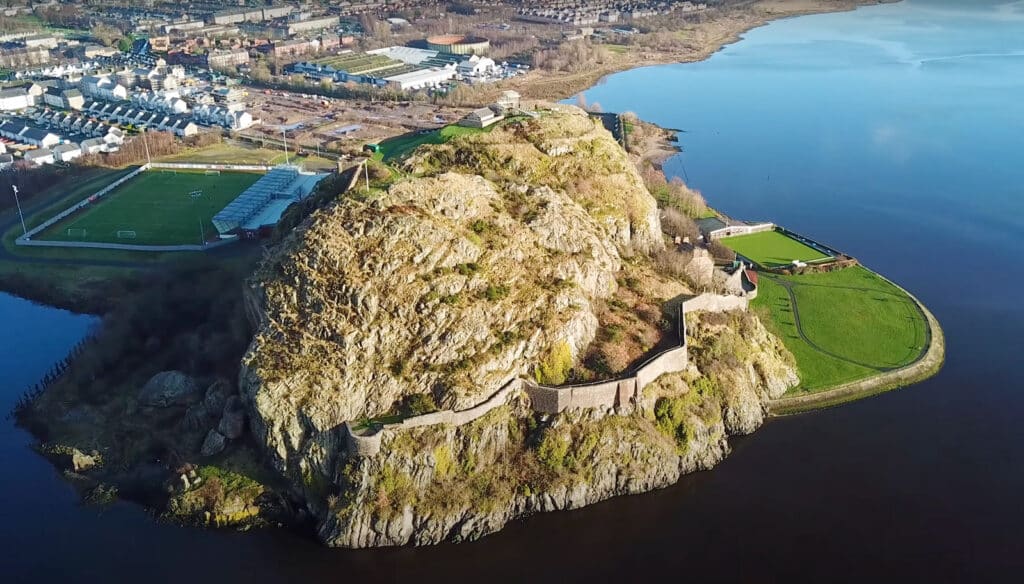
(926, 365)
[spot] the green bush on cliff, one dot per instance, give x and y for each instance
(552, 450)
(417, 404)
(555, 368)
(672, 415)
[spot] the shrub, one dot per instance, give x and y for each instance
(721, 252)
(552, 450)
(673, 262)
(676, 224)
(554, 369)
(417, 404)
(495, 293)
(670, 417)
(444, 464)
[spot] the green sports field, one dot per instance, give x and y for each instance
(158, 207)
(852, 324)
(771, 249)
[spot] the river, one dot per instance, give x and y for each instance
(894, 133)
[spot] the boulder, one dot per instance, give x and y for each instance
(81, 461)
(217, 395)
(170, 388)
(214, 443)
(232, 423)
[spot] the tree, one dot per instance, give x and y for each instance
(260, 71)
(106, 34)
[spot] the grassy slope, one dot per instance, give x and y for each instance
(772, 248)
(226, 153)
(400, 146)
(157, 206)
(878, 328)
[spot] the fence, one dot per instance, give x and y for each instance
(27, 241)
(199, 166)
(27, 237)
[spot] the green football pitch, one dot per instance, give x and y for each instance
(156, 208)
(842, 326)
(772, 249)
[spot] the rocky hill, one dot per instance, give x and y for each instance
(485, 263)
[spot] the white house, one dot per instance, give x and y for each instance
(38, 137)
(93, 145)
(66, 152)
(15, 98)
(39, 156)
(102, 87)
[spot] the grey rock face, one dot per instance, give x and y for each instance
(232, 424)
(169, 388)
(213, 444)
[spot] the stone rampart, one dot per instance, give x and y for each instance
(367, 443)
(615, 394)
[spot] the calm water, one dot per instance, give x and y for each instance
(894, 133)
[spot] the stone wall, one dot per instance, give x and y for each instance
(367, 443)
(715, 303)
(732, 230)
(616, 394)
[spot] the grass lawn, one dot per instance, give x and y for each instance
(157, 206)
(225, 153)
(857, 324)
(400, 146)
(772, 249)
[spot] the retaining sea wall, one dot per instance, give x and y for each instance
(927, 365)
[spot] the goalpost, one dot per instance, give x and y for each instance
(77, 232)
(212, 172)
(126, 234)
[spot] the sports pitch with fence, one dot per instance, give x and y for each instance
(772, 249)
(158, 207)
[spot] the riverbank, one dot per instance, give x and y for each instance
(702, 39)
